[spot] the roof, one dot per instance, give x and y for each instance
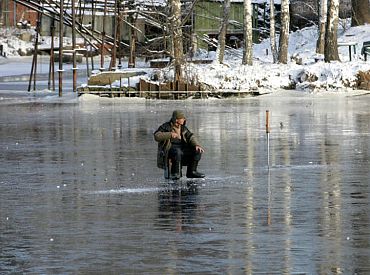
(163, 2)
(253, 1)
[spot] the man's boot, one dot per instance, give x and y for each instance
(175, 170)
(192, 172)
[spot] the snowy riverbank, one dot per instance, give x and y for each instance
(303, 71)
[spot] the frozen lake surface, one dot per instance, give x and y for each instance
(80, 191)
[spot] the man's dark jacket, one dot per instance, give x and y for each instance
(163, 137)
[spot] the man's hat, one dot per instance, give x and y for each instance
(177, 114)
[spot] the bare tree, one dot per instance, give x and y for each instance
(1, 12)
(177, 43)
(331, 43)
(323, 10)
(220, 53)
(272, 32)
(360, 12)
(248, 34)
(133, 36)
(284, 33)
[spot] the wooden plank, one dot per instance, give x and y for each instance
(164, 87)
(143, 85)
(181, 86)
(153, 87)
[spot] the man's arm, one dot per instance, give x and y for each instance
(163, 133)
(193, 141)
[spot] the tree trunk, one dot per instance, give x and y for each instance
(284, 32)
(248, 34)
(331, 43)
(113, 59)
(272, 32)
(323, 10)
(220, 53)
(360, 12)
(178, 53)
(133, 37)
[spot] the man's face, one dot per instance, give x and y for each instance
(180, 121)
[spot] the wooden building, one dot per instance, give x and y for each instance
(200, 30)
(305, 12)
(13, 14)
(207, 18)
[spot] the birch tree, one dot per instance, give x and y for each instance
(220, 53)
(272, 32)
(360, 12)
(248, 34)
(331, 43)
(284, 32)
(323, 10)
(177, 44)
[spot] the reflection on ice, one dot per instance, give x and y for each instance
(126, 190)
(170, 185)
(115, 213)
(299, 167)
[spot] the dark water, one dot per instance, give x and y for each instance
(80, 192)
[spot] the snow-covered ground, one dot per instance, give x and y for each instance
(303, 71)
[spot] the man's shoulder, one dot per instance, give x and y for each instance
(166, 125)
(185, 128)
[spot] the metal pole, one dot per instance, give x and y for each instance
(268, 136)
(269, 197)
(60, 71)
(268, 167)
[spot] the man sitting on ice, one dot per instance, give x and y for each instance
(179, 146)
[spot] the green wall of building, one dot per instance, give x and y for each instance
(207, 19)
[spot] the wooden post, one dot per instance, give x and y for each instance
(92, 28)
(60, 70)
(103, 38)
(112, 66)
(51, 80)
(74, 69)
(119, 37)
(132, 57)
(87, 59)
(34, 60)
